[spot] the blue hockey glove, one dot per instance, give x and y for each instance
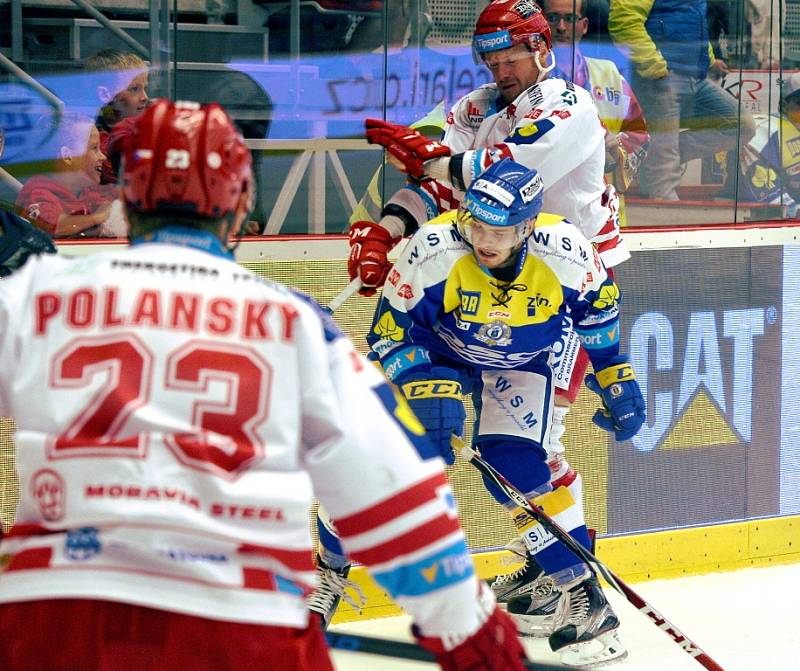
(623, 411)
(437, 404)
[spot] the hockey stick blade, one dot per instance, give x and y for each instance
(388, 648)
(343, 295)
(678, 637)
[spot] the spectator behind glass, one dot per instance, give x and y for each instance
(122, 96)
(626, 132)
(667, 41)
(769, 168)
(69, 201)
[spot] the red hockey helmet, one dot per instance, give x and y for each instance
(185, 157)
(504, 23)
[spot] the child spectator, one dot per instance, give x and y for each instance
(69, 201)
(123, 96)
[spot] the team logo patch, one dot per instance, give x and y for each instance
(474, 115)
(609, 296)
(494, 333)
(405, 292)
(49, 490)
(387, 328)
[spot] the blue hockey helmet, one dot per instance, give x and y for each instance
(506, 194)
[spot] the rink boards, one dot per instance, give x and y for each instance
(711, 319)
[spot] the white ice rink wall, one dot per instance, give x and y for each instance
(710, 318)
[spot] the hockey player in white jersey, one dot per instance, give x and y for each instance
(473, 304)
(176, 414)
(543, 123)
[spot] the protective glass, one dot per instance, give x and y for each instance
(553, 18)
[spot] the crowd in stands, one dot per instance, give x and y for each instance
(669, 111)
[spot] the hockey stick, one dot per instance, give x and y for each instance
(388, 648)
(343, 295)
(686, 644)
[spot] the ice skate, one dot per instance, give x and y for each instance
(586, 632)
(534, 609)
(519, 582)
(332, 587)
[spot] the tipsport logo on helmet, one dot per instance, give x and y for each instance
(493, 41)
(486, 214)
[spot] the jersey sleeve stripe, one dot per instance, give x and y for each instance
(32, 558)
(433, 572)
(411, 541)
(296, 560)
(391, 508)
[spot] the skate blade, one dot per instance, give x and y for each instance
(603, 649)
(534, 626)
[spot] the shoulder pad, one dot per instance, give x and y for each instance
(448, 217)
(561, 241)
(439, 241)
(546, 219)
(473, 108)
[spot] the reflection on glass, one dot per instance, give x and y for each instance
(699, 70)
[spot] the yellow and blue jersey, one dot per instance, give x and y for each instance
(439, 301)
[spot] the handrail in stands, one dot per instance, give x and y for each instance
(104, 21)
(314, 153)
(19, 73)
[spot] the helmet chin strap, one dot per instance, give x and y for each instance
(544, 69)
(239, 233)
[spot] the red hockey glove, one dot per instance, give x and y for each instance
(369, 247)
(494, 647)
(408, 146)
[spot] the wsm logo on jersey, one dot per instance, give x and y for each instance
(698, 383)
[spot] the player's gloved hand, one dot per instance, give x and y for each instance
(18, 240)
(623, 411)
(411, 148)
(369, 249)
(437, 404)
(494, 647)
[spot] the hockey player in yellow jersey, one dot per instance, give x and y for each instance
(474, 304)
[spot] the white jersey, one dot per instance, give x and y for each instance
(552, 127)
(176, 416)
